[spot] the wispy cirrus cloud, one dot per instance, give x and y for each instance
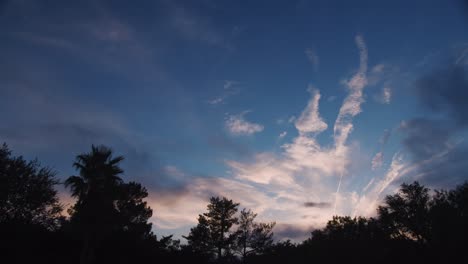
(352, 103)
(377, 160)
(297, 186)
(237, 125)
(229, 89)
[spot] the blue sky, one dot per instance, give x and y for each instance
(297, 109)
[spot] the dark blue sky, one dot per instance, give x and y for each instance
(275, 104)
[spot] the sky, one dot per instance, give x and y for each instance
(299, 110)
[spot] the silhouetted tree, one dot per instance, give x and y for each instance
(27, 194)
(213, 234)
(449, 222)
(252, 237)
(133, 211)
(345, 228)
(108, 211)
(97, 188)
(405, 215)
(200, 237)
(169, 244)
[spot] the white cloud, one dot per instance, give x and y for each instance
(282, 134)
(304, 162)
(217, 100)
(313, 58)
(237, 125)
(352, 103)
(310, 121)
(228, 84)
(377, 161)
(228, 90)
(385, 95)
(277, 186)
(306, 153)
(266, 169)
(180, 208)
(369, 199)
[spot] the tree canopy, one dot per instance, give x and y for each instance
(27, 192)
(110, 222)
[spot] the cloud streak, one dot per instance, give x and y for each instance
(237, 125)
(228, 91)
(352, 103)
(289, 187)
(350, 107)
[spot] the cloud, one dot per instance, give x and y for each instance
(379, 68)
(94, 36)
(367, 202)
(309, 121)
(436, 143)
(173, 171)
(229, 89)
(386, 95)
(304, 159)
(282, 134)
(444, 91)
(440, 153)
(382, 73)
(290, 186)
(425, 137)
(265, 170)
(377, 161)
(317, 205)
(313, 58)
(178, 209)
(237, 125)
(352, 103)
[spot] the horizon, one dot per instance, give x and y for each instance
(297, 111)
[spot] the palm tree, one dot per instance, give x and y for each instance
(96, 189)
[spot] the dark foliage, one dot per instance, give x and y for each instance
(109, 224)
(27, 194)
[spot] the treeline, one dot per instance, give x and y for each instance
(109, 223)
